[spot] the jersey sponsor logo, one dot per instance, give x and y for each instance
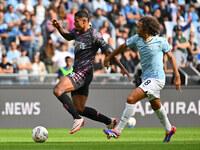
(21, 108)
(79, 45)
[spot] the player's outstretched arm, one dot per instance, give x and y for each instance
(177, 80)
(111, 56)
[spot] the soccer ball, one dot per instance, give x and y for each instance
(131, 122)
(39, 134)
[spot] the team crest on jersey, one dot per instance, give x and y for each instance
(79, 45)
(151, 46)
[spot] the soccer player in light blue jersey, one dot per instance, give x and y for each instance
(151, 49)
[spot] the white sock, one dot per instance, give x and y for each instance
(128, 112)
(162, 115)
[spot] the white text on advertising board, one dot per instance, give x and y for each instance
(21, 108)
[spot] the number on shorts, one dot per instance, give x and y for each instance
(147, 82)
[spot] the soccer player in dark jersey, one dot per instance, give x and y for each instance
(87, 43)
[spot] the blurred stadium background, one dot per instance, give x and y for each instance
(24, 105)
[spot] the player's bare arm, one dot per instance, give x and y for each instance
(177, 79)
(110, 56)
(117, 62)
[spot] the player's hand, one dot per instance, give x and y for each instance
(177, 83)
(106, 62)
(125, 72)
(55, 23)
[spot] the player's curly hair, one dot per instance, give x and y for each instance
(150, 24)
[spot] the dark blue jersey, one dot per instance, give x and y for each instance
(86, 46)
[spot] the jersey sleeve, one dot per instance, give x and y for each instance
(165, 46)
(70, 36)
(100, 42)
(131, 42)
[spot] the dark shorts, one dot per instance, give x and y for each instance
(81, 81)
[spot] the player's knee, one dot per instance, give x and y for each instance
(155, 106)
(57, 92)
(130, 100)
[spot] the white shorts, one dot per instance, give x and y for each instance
(152, 87)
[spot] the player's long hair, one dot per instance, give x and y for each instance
(150, 24)
(82, 14)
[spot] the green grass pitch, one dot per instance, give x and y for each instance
(186, 138)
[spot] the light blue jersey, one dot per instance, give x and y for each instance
(151, 55)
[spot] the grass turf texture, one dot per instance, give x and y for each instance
(187, 138)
